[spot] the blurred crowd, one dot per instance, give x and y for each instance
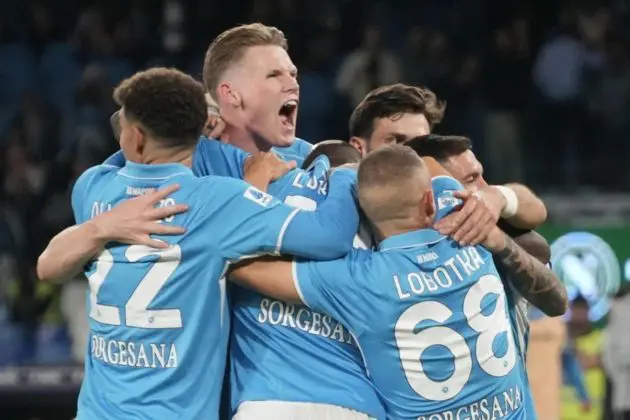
(541, 87)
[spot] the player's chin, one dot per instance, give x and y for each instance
(285, 139)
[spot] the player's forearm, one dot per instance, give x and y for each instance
(532, 279)
(269, 276)
(531, 212)
(328, 232)
(68, 252)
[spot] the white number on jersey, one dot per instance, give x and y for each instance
(302, 203)
(411, 345)
(136, 312)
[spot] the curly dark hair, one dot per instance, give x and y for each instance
(391, 101)
(169, 104)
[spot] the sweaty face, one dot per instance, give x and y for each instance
(398, 129)
(266, 80)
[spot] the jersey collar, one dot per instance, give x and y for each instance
(413, 239)
(154, 172)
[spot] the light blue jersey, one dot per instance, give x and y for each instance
(297, 151)
(211, 157)
(287, 352)
(159, 320)
(431, 320)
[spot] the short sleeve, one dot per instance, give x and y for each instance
(332, 287)
(243, 220)
(215, 158)
(81, 189)
(443, 189)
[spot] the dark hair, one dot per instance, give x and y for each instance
(392, 101)
(230, 46)
(169, 104)
(339, 152)
(439, 147)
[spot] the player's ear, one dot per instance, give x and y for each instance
(139, 139)
(359, 144)
(428, 203)
(229, 96)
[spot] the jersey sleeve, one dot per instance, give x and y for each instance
(250, 222)
(329, 231)
(82, 187)
(443, 189)
(220, 159)
(332, 287)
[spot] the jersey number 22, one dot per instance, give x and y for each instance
(136, 312)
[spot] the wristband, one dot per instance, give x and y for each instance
(511, 201)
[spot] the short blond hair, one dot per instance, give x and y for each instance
(230, 46)
(390, 183)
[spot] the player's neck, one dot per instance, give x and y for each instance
(396, 227)
(169, 155)
(244, 140)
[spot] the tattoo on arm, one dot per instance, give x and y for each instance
(532, 279)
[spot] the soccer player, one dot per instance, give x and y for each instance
(549, 294)
(288, 361)
(312, 365)
(158, 316)
(247, 71)
(398, 113)
(429, 315)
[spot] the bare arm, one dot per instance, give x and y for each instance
(131, 222)
(268, 276)
(68, 252)
(531, 211)
(531, 278)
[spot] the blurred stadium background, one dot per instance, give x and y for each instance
(541, 86)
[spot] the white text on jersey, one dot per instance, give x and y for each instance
(490, 408)
(306, 180)
(133, 354)
(289, 315)
(455, 269)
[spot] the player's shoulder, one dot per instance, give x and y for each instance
(95, 174)
(207, 146)
(298, 151)
(213, 157)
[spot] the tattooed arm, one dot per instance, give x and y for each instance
(531, 278)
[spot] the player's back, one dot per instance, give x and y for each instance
(287, 352)
(439, 344)
(158, 319)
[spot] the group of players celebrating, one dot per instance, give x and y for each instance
(409, 306)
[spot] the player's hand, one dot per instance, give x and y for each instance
(586, 406)
(473, 222)
(215, 126)
(265, 167)
(133, 221)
